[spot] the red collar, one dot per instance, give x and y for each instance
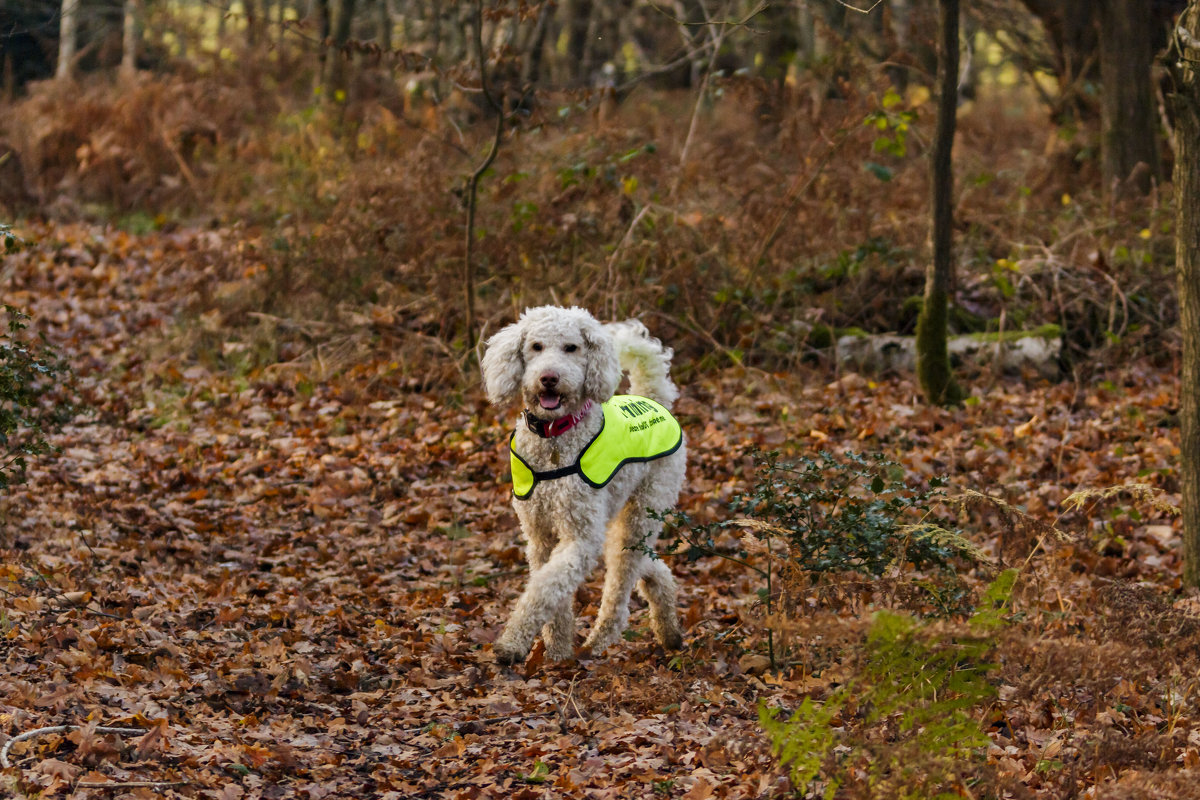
(548, 429)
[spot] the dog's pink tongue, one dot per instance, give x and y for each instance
(550, 401)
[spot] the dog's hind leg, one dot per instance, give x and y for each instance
(624, 563)
(619, 578)
(659, 590)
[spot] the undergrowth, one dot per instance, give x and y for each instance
(810, 522)
(916, 696)
(912, 703)
(357, 208)
(32, 376)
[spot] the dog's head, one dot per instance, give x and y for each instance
(553, 359)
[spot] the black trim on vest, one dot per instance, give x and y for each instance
(560, 472)
(630, 460)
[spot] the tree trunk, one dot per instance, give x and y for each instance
(1071, 27)
(335, 81)
(281, 22)
(532, 69)
(1127, 96)
(251, 22)
(578, 16)
(774, 57)
(385, 26)
(320, 8)
(933, 360)
(67, 25)
(1187, 261)
(129, 38)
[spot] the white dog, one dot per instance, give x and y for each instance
(586, 467)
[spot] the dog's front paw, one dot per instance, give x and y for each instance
(508, 654)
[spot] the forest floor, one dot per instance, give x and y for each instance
(280, 539)
(292, 581)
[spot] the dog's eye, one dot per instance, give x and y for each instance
(570, 348)
(536, 347)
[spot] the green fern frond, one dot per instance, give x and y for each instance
(802, 742)
(943, 537)
(988, 614)
(922, 684)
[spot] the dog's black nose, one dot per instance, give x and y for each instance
(549, 380)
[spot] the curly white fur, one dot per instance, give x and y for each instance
(553, 360)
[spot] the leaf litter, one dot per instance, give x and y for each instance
(290, 581)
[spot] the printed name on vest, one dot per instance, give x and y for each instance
(636, 408)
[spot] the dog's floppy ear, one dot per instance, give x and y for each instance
(603, 371)
(503, 364)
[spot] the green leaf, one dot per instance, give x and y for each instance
(541, 771)
(881, 172)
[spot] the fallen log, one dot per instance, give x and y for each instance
(1011, 351)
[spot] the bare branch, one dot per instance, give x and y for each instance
(853, 7)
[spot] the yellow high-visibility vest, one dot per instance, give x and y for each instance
(634, 429)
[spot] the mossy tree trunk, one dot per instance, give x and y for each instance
(933, 361)
(1185, 65)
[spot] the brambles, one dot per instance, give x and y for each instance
(830, 515)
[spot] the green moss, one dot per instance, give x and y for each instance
(1047, 331)
(840, 332)
(933, 360)
(910, 310)
(821, 336)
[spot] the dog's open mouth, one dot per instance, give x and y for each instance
(550, 401)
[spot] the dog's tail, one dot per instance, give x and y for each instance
(646, 360)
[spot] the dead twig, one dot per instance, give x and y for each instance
(612, 260)
(129, 784)
(484, 721)
(716, 38)
(4, 762)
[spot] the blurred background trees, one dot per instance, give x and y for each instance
(1092, 62)
(747, 160)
